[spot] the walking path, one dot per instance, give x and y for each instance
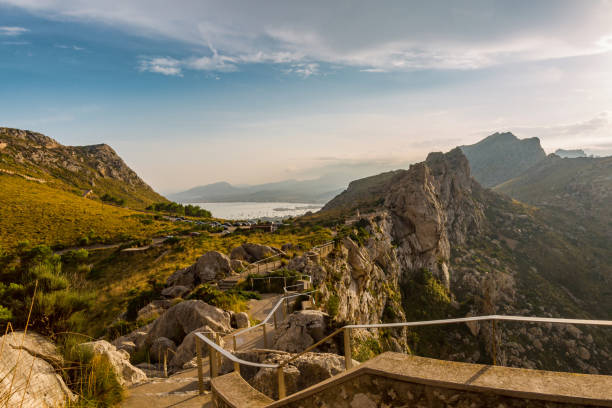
(180, 390)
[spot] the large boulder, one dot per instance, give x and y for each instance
(252, 252)
(175, 291)
(133, 341)
(241, 320)
(153, 309)
(186, 317)
(27, 372)
(301, 330)
(127, 374)
(161, 346)
(211, 266)
(186, 352)
(182, 277)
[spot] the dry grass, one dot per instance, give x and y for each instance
(44, 215)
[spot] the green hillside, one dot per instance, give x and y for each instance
(95, 171)
(38, 213)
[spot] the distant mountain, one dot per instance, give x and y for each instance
(94, 170)
(292, 191)
(581, 185)
(501, 157)
(570, 154)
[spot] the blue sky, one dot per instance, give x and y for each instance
(250, 92)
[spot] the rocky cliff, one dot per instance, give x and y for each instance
(79, 168)
(430, 243)
(501, 157)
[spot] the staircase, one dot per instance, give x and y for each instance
(229, 283)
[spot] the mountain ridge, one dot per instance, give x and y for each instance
(501, 157)
(80, 169)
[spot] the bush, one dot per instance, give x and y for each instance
(332, 306)
(234, 300)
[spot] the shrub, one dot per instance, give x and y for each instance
(332, 306)
(90, 376)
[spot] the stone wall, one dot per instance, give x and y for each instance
(370, 391)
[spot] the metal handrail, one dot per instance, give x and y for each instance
(231, 356)
(347, 339)
(271, 313)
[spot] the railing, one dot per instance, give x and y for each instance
(346, 330)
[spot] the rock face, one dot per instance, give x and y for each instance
(186, 317)
(242, 320)
(211, 266)
(161, 347)
(501, 157)
(301, 330)
(430, 243)
(127, 374)
(186, 352)
(250, 252)
(40, 388)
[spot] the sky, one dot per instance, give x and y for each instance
(195, 92)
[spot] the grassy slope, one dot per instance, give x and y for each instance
(115, 274)
(40, 214)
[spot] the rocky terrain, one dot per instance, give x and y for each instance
(435, 244)
(95, 168)
(501, 157)
(582, 186)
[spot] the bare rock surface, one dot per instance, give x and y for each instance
(127, 374)
(242, 320)
(185, 317)
(250, 252)
(28, 361)
(301, 330)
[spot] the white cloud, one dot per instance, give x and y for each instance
(161, 65)
(69, 47)
(12, 31)
(394, 36)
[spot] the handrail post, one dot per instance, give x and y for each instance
(212, 357)
(234, 340)
(166, 363)
(219, 356)
(494, 341)
(237, 367)
(348, 359)
(265, 337)
(282, 393)
(274, 317)
(198, 344)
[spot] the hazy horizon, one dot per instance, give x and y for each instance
(251, 93)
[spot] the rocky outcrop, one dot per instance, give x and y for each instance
(209, 267)
(250, 252)
(28, 372)
(301, 330)
(127, 374)
(186, 317)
